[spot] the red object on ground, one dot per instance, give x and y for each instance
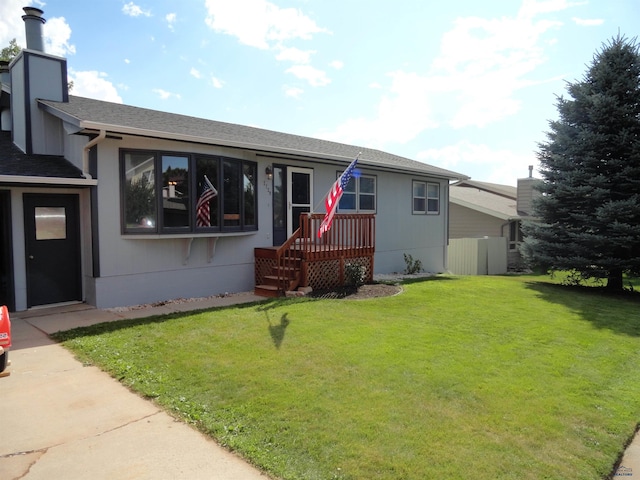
(5, 328)
(5, 340)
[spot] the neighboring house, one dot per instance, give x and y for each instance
(480, 209)
(115, 205)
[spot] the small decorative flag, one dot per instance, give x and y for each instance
(203, 211)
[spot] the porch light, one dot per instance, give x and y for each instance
(269, 172)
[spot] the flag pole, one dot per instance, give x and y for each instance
(357, 157)
(206, 179)
(333, 196)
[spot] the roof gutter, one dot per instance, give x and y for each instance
(181, 137)
(49, 181)
(123, 130)
(85, 153)
(88, 125)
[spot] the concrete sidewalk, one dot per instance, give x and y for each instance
(61, 419)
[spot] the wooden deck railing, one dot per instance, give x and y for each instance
(350, 235)
(307, 260)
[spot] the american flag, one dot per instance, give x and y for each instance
(333, 197)
(203, 212)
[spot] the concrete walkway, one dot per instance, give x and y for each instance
(60, 419)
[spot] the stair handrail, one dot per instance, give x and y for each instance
(284, 262)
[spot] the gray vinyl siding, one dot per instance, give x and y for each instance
(144, 269)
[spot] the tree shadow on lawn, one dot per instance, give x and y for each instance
(592, 303)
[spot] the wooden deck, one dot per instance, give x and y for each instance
(305, 260)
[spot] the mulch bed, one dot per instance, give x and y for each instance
(372, 290)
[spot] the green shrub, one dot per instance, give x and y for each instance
(354, 274)
(413, 266)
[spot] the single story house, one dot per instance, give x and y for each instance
(115, 205)
(481, 209)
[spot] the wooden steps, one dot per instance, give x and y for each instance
(283, 277)
(306, 260)
(267, 291)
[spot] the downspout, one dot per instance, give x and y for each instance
(445, 248)
(502, 228)
(85, 153)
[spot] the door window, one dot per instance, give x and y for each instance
(299, 195)
(51, 223)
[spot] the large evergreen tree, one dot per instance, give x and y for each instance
(589, 211)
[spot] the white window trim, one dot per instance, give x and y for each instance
(357, 194)
(426, 198)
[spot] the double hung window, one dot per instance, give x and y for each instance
(426, 198)
(359, 195)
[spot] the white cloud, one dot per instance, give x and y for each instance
(56, 33)
(93, 84)
(11, 24)
(588, 22)
(481, 66)
(315, 77)
(216, 82)
(171, 20)
(401, 115)
(452, 156)
(481, 162)
(134, 10)
(485, 61)
(295, 55)
(195, 73)
(337, 64)
(164, 95)
(264, 25)
(259, 23)
(293, 92)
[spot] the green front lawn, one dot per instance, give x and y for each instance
(457, 377)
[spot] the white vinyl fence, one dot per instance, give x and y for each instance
(477, 256)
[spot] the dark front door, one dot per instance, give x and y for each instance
(52, 241)
(6, 257)
(279, 205)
